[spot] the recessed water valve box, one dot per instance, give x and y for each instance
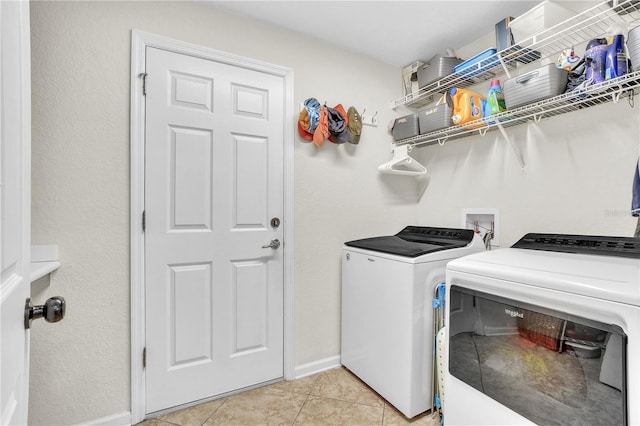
(483, 221)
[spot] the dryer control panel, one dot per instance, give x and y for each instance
(582, 244)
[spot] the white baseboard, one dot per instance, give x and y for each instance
(317, 366)
(120, 419)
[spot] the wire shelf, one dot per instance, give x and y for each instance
(596, 94)
(590, 24)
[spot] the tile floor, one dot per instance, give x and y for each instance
(333, 397)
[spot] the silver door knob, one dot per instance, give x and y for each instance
(274, 244)
(52, 311)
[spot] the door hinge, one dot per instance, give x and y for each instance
(144, 358)
(143, 76)
(144, 220)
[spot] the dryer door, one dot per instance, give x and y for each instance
(546, 365)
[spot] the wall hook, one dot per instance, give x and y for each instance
(369, 121)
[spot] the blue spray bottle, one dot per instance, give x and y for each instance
(616, 61)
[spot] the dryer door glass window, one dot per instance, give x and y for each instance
(548, 366)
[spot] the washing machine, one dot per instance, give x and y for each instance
(545, 332)
(388, 286)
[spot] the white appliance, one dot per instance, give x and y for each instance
(545, 332)
(388, 286)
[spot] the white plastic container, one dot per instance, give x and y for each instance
(633, 48)
(543, 16)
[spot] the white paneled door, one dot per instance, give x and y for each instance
(15, 201)
(213, 208)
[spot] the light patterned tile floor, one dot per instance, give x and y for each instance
(334, 397)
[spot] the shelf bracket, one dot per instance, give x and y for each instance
(483, 131)
(513, 146)
(504, 66)
(615, 96)
(442, 141)
(537, 118)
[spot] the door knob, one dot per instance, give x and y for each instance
(274, 244)
(52, 310)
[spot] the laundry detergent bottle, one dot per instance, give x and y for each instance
(467, 105)
(616, 61)
(495, 98)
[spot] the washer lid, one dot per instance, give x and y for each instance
(414, 241)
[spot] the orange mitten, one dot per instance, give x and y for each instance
(322, 131)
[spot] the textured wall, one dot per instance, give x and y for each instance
(579, 170)
(80, 168)
(80, 60)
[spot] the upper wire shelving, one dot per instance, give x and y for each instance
(590, 24)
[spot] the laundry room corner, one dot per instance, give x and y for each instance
(570, 173)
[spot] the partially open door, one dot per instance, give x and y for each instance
(15, 200)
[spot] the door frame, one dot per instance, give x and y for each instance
(139, 42)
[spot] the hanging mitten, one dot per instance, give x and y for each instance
(354, 125)
(321, 133)
(338, 121)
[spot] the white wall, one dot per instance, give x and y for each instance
(80, 60)
(578, 174)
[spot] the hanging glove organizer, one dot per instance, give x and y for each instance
(319, 123)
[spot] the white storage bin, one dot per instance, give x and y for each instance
(542, 17)
(633, 47)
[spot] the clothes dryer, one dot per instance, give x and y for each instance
(388, 286)
(545, 332)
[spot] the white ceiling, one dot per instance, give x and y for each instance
(395, 32)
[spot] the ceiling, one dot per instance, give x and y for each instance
(394, 32)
